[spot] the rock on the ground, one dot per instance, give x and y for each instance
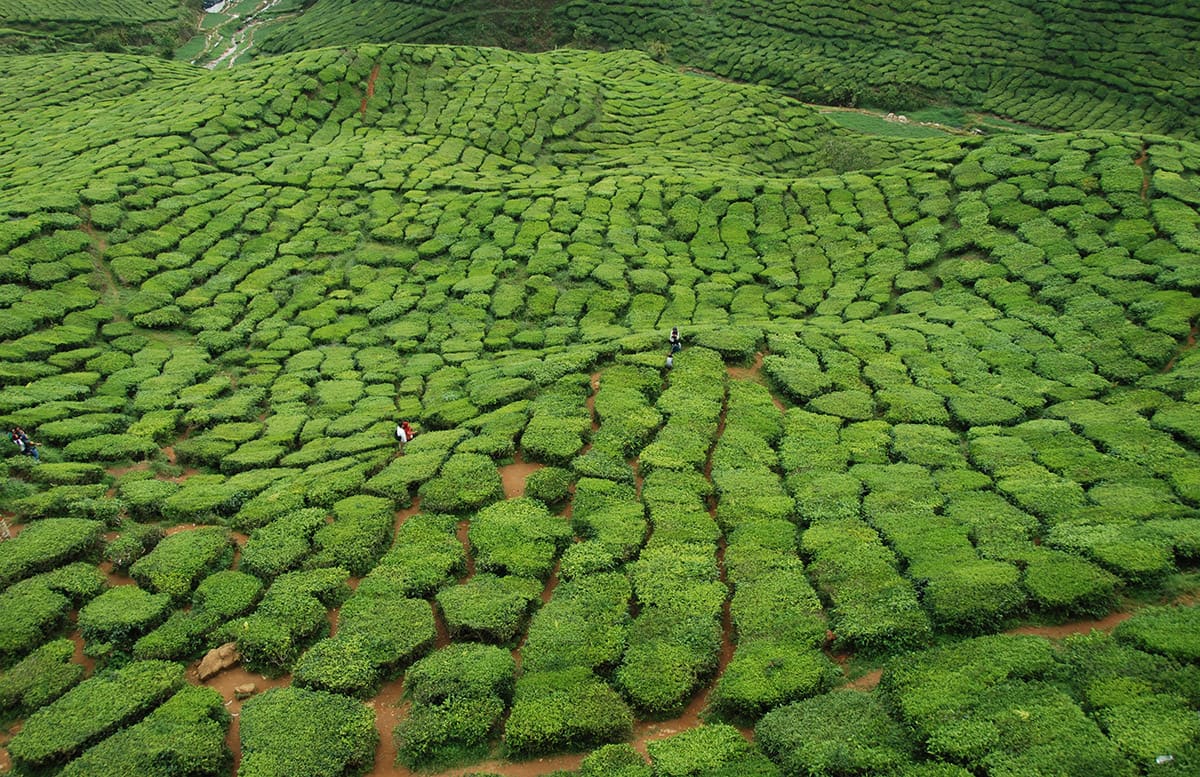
(217, 660)
(245, 691)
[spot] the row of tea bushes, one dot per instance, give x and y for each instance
(379, 631)
(91, 711)
(301, 731)
(186, 634)
(577, 638)
(459, 694)
(777, 617)
(46, 545)
(579, 635)
(425, 556)
(675, 640)
(961, 591)
(609, 520)
(37, 608)
(185, 735)
(291, 615)
(1089, 69)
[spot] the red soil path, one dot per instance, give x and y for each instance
(370, 90)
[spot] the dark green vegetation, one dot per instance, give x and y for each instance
(976, 404)
(152, 27)
(1067, 64)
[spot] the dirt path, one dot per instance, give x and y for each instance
(513, 475)
(370, 92)
(224, 683)
(1188, 345)
(1086, 626)
(748, 373)
(1141, 162)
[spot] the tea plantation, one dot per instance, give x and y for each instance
(934, 389)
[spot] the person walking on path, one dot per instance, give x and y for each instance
(675, 340)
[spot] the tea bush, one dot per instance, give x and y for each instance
(180, 561)
(488, 608)
(425, 555)
(184, 735)
(467, 481)
(296, 731)
(459, 695)
(91, 711)
(807, 736)
(45, 545)
(518, 537)
(282, 544)
(39, 678)
(708, 749)
(1169, 631)
(361, 529)
(122, 614)
(567, 709)
(585, 623)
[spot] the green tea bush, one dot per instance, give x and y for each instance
(1067, 585)
(488, 608)
(1169, 631)
(186, 735)
(808, 737)
(568, 709)
(668, 655)
(202, 499)
(518, 537)
(122, 614)
(93, 710)
(180, 561)
(455, 730)
(135, 541)
(295, 731)
(360, 531)
(39, 678)
(617, 759)
(765, 673)
(467, 481)
(143, 498)
(32, 612)
(291, 614)
(282, 544)
(874, 609)
(396, 480)
(45, 545)
(110, 447)
(461, 669)
(459, 694)
(550, 485)
(585, 623)
(425, 555)
(66, 473)
(366, 646)
(708, 749)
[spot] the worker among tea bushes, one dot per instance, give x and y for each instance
(23, 443)
(676, 341)
(404, 433)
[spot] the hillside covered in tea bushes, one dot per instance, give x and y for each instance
(933, 390)
(1065, 64)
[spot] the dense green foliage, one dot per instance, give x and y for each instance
(303, 733)
(931, 385)
(92, 710)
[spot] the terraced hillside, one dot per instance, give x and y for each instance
(931, 389)
(141, 26)
(1068, 64)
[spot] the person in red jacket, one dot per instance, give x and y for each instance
(404, 433)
